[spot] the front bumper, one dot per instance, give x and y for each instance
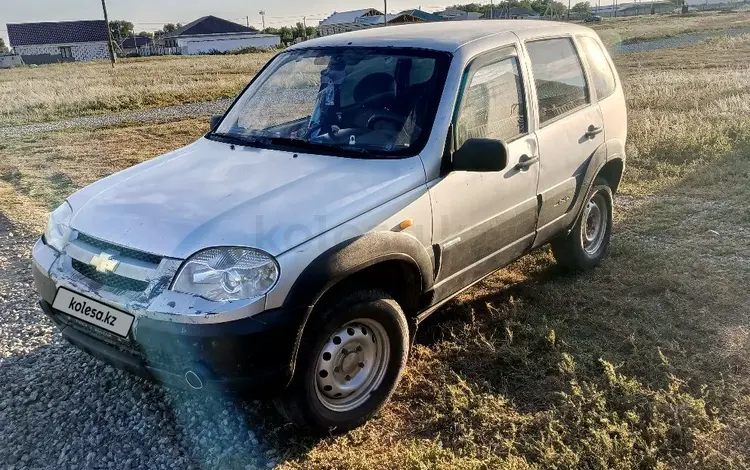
(249, 355)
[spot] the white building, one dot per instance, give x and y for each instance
(10, 60)
(209, 34)
(64, 41)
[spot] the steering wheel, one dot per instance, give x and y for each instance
(383, 115)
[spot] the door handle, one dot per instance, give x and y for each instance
(525, 162)
(593, 131)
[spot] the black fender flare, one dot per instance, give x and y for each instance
(347, 258)
(593, 170)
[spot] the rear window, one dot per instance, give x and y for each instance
(558, 77)
(601, 72)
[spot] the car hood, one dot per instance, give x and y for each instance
(209, 194)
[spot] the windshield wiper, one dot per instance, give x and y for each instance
(307, 145)
(236, 139)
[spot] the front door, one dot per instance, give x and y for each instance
(570, 129)
(484, 219)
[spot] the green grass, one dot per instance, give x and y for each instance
(640, 363)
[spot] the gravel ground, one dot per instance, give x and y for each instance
(150, 115)
(676, 41)
(60, 408)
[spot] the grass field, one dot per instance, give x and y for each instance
(38, 94)
(637, 28)
(34, 94)
(640, 363)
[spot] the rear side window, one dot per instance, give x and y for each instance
(492, 103)
(601, 73)
(558, 77)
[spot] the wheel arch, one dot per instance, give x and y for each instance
(612, 172)
(394, 262)
(611, 166)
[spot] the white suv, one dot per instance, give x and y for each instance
(358, 183)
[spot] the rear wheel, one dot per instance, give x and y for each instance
(349, 363)
(587, 244)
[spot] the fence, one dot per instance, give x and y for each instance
(154, 50)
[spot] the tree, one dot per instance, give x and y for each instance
(286, 34)
(299, 30)
(540, 6)
(3, 47)
(559, 8)
(169, 27)
(583, 8)
(120, 29)
(146, 34)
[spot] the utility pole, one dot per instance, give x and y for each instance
(568, 10)
(304, 25)
(109, 35)
(492, 10)
(262, 14)
(385, 12)
(247, 20)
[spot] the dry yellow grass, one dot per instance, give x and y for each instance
(34, 94)
(55, 91)
(634, 28)
(35, 173)
(640, 363)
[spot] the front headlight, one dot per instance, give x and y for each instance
(58, 229)
(224, 274)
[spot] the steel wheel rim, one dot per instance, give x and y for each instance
(594, 224)
(351, 364)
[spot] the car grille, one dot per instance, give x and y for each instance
(122, 251)
(109, 279)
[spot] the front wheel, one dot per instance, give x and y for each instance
(587, 244)
(349, 363)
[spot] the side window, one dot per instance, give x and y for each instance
(492, 104)
(601, 73)
(558, 77)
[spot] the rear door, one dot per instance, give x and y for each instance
(570, 128)
(605, 83)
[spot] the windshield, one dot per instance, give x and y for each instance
(347, 101)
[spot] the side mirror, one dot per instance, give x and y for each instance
(481, 155)
(214, 120)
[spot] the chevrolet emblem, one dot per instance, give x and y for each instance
(104, 263)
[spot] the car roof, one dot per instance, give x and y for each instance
(446, 36)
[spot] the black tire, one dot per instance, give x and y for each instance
(303, 402)
(571, 251)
